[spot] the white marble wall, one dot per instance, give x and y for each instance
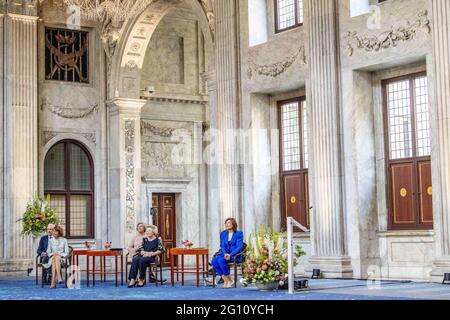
(243, 92)
(90, 130)
(364, 209)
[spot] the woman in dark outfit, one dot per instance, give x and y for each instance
(151, 248)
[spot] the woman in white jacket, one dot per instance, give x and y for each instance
(58, 249)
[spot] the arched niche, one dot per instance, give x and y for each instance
(124, 80)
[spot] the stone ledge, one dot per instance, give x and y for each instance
(302, 236)
(407, 233)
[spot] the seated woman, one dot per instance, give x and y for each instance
(134, 246)
(57, 249)
(231, 244)
(151, 248)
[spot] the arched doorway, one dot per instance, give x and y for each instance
(69, 180)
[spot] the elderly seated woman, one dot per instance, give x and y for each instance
(144, 256)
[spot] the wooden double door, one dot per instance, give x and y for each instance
(164, 216)
(411, 194)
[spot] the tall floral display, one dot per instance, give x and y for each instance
(38, 216)
(267, 262)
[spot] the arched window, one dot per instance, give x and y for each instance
(69, 180)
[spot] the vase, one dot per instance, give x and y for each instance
(268, 286)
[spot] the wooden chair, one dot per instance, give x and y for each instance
(153, 268)
(233, 265)
(65, 264)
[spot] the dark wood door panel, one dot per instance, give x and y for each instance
(425, 193)
(164, 205)
(306, 193)
(295, 200)
(403, 194)
(167, 232)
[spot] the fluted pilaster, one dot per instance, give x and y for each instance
(20, 140)
(228, 105)
(329, 253)
(441, 44)
(213, 206)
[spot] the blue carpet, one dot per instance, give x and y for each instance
(27, 290)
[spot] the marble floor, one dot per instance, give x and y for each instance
(324, 289)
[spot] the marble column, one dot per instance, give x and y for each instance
(212, 207)
(441, 57)
(20, 112)
(227, 76)
(2, 108)
(328, 237)
(124, 144)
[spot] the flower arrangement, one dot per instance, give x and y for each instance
(88, 245)
(187, 244)
(267, 257)
(107, 245)
(37, 216)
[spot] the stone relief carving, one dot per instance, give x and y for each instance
(130, 193)
(69, 111)
(158, 131)
(159, 156)
(129, 136)
(130, 174)
(49, 135)
(131, 65)
(390, 38)
(166, 151)
(208, 9)
(91, 137)
(275, 69)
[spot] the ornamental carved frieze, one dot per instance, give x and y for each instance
(208, 10)
(49, 135)
(390, 38)
(158, 131)
(129, 136)
(276, 69)
(69, 111)
(130, 193)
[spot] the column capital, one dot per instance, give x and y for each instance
(22, 17)
(125, 106)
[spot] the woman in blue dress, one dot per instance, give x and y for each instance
(231, 244)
